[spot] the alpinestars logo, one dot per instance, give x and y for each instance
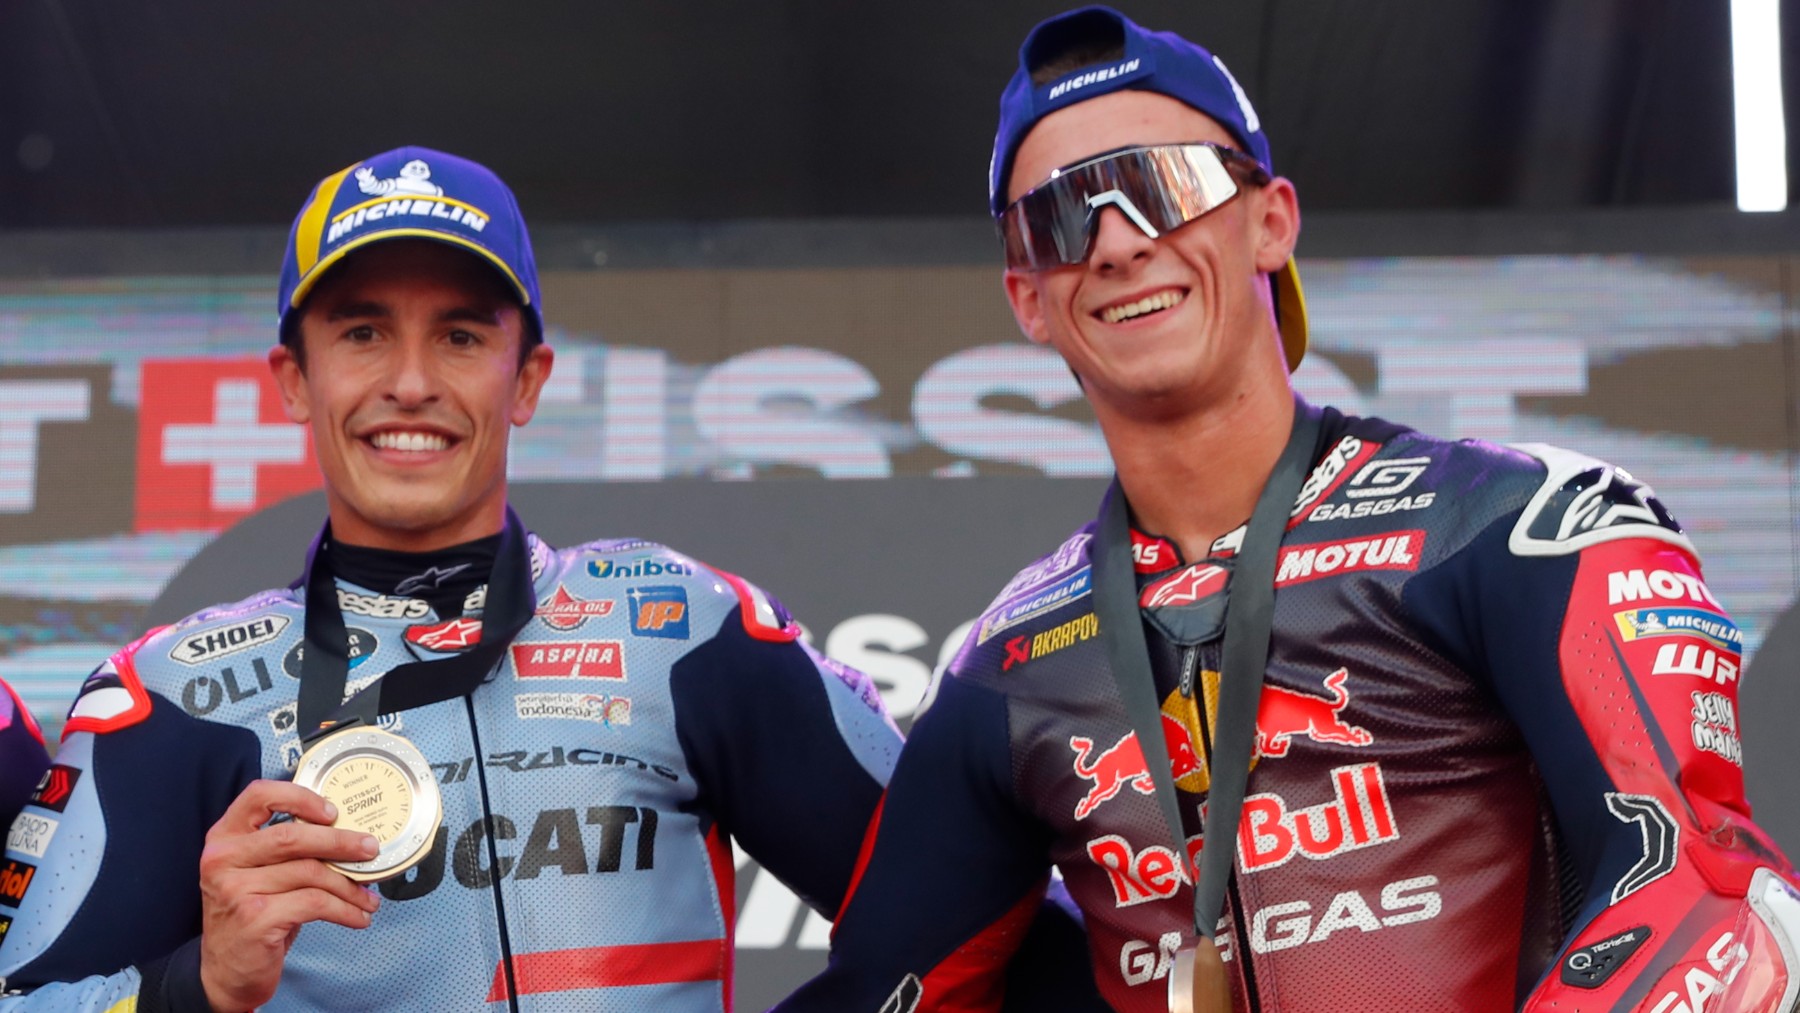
(1349, 454)
(432, 578)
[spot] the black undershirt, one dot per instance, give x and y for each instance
(443, 577)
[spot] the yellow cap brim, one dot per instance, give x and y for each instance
(1290, 312)
(311, 278)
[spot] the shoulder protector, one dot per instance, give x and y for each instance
(765, 618)
(1584, 501)
(113, 697)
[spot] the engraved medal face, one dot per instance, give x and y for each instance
(381, 786)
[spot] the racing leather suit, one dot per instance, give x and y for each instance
(651, 711)
(22, 759)
(1496, 764)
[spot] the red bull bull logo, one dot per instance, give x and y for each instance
(1285, 713)
(1282, 715)
(1119, 766)
(1124, 765)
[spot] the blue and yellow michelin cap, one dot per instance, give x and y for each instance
(410, 193)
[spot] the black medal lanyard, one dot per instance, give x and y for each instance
(325, 661)
(1249, 611)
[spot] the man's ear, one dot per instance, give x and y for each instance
(1279, 229)
(291, 380)
(1027, 304)
(533, 374)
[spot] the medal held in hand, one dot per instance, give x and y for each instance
(379, 781)
(381, 786)
(1197, 981)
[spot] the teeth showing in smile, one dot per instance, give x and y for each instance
(409, 441)
(1163, 300)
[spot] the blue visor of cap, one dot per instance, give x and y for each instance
(416, 193)
(1161, 62)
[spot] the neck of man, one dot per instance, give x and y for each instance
(443, 577)
(1191, 476)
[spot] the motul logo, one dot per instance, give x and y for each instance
(1359, 817)
(1399, 550)
(587, 659)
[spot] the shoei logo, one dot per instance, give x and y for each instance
(205, 646)
(411, 193)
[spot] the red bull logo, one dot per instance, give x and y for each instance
(1285, 713)
(1358, 816)
(1119, 766)
(1282, 715)
(1124, 765)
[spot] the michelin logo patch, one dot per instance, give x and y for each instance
(412, 193)
(1075, 586)
(1715, 629)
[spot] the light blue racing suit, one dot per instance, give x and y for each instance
(652, 711)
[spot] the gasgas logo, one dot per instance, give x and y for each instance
(1282, 715)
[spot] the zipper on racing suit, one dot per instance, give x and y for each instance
(1190, 669)
(487, 817)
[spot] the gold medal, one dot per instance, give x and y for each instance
(1198, 982)
(381, 786)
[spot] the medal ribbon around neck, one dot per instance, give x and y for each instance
(325, 661)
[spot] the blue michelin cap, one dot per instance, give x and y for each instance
(1161, 62)
(410, 193)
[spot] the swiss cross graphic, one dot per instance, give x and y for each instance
(214, 445)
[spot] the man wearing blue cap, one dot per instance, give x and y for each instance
(1458, 765)
(451, 767)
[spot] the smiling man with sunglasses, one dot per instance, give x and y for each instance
(1476, 728)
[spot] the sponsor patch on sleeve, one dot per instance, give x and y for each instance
(1584, 501)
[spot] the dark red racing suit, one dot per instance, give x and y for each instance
(1497, 765)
